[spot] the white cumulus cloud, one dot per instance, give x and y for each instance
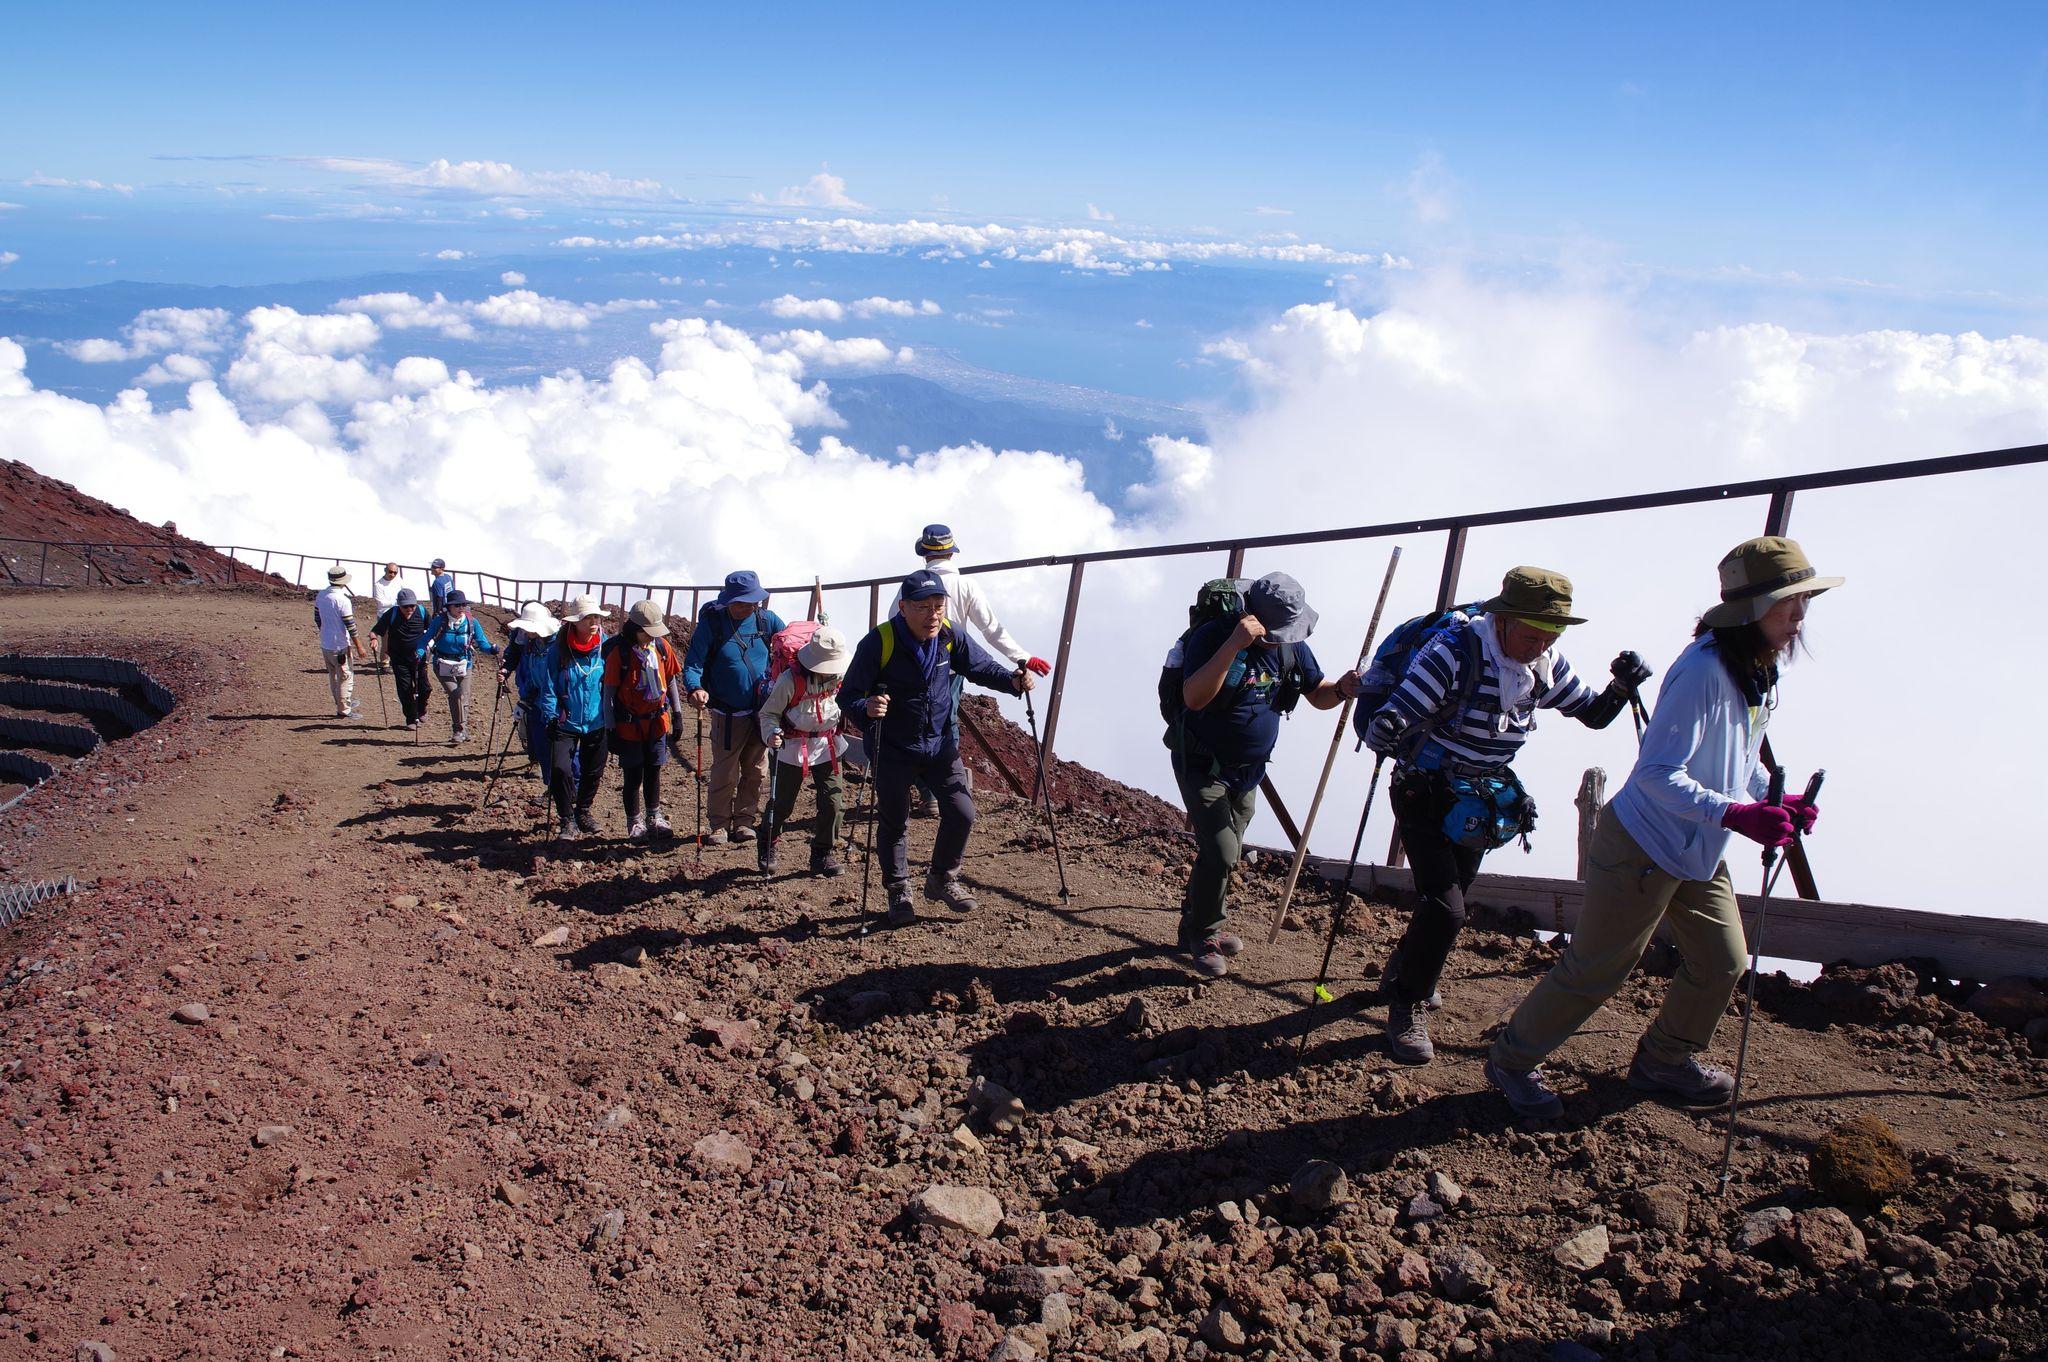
(822, 190)
(512, 279)
(894, 307)
(792, 308)
(156, 330)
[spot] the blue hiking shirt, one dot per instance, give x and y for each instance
(1240, 727)
(452, 641)
(729, 659)
(921, 692)
(1702, 752)
(439, 588)
(572, 689)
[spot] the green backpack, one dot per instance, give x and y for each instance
(1221, 598)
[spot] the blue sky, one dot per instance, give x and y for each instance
(1899, 147)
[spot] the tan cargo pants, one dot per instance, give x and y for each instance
(739, 770)
(1626, 897)
(341, 679)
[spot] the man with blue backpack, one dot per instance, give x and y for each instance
(726, 671)
(1239, 669)
(1452, 698)
(899, 691)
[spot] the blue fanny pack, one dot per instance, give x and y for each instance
(1488, 810)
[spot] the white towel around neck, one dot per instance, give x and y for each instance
(1519, 682)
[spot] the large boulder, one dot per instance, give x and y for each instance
(1872, 996)
(2011, 1002)
(1861, 1163)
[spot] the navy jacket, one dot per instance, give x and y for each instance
(920, 680)
(728, 659)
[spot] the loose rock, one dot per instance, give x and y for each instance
(267, 1136)
(1462, 1272)
(1763, 1228)
(1664, 1206)
(1584, 1251)
(1860, 1162)
(971, 1210)
(557, 936)
(191, 1014)
(722, 1152)
(1222, 1331)
(1318, 1186)
(1826, 1240)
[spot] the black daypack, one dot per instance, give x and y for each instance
(1221, 598)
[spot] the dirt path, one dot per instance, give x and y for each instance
(406, 1130)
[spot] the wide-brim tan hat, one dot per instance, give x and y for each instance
(1534, 593)
(1758, 573)
(827, 654)
(647, 615)
(582, 608)
(534, 618)
(337, 576)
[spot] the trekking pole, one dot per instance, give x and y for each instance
(1045, 793)
(697, 770)
(491, 733)
(1639, 714)
(1321, 994)
(1330, 761)
(511, 734)
(874, 745)
(1772, 865)
(383, 705)
(768, 821)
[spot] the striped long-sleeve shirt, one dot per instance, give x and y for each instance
(1481, 735)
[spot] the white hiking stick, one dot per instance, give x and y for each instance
(1336, 740)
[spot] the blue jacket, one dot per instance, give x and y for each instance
(527, 659)
(453, 641)
(439, 588)
(920, 681)
(729, 659)
(572, 687)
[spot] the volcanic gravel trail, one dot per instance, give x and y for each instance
(458, 1094)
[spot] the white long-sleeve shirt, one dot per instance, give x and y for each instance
(965, 601)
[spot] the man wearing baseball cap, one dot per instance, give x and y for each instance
(900, 693)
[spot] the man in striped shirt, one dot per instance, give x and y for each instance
(1465, 707)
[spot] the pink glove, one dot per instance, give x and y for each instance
(1804, 812)
(1769, 824)
(1039, 665)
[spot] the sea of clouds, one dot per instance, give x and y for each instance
(1451, 395)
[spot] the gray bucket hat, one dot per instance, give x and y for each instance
(1282, 606)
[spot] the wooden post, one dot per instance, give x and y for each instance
(1059, 666)
(1592, 794)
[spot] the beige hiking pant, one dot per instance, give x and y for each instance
(739, 769)
(341, 679)
(1626, 897)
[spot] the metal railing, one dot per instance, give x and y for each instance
(1778, 493)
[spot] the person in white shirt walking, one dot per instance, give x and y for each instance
(334, 611)
(385, 590)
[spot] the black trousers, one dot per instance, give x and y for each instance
(1443, 872)
(894, 774)
(576, 770)
(409, 675)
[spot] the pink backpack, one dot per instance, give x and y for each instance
(783, 648)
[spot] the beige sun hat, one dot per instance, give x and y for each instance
(583, 607)
(534, 618)
(827, 654)
(1758, 573)
(647, 615)
(337, 575)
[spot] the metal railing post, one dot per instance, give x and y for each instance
(1059, 667)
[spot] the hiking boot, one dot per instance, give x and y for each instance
(636, 831)
(1206, 957)
(741, 833)
(586, 823)
(1528, 1091)
(715, 838)
(461, 735)
(1688, 1082)
(1408, 1035)
(765, 856)
(1227, 943)
(566, 831)
(923, 805)
(951, 891)
(826, 863)
(901, 911)
(657, 823)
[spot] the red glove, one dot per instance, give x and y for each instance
(1769, 824)
(1039, 665)
(1804, 812)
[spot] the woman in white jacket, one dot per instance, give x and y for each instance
(800, 724)
(1656, 854)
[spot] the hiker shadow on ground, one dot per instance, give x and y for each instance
(266, 718)
(610, 897)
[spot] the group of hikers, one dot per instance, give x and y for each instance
(1449, 698)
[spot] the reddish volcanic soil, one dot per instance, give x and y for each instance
(457, 1093)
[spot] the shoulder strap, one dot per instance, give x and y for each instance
(888, 633)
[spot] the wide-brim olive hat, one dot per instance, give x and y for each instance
(1758, 573)
(1534, 593)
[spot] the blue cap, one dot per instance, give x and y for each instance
(741, 588)
(922, 585)
(935, 540)
(439, 563)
